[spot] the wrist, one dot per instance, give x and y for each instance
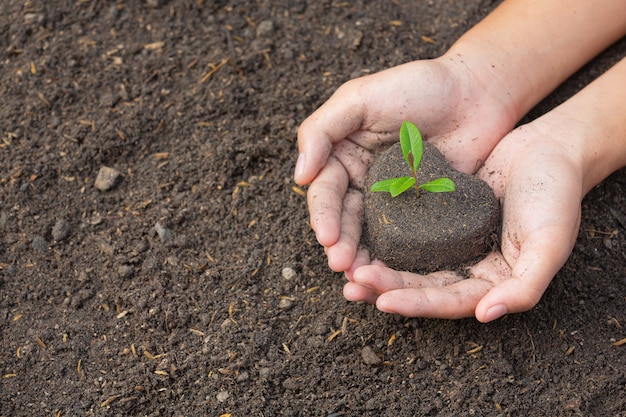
(595, 120)
(602, 148)
(523, 50)
(590, 133)
(481, 85)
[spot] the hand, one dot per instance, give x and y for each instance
(540, 182)
(337, 143)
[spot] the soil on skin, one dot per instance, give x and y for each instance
(195, 285)
(433, 231)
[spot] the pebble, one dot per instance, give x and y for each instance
(60, 230)
(265, 373)
(33, 18)
(260, 339)
(125, 271)
(39, 243)
(371, 404)
(165, 234)
(141, 246)
(155, 4)
(291, 384)
(370, 357)
(285, 303)
(288, 273)
(265, 28)
(315, 342)
(107, 178)
(95, 220)
(222, 396)
(109, 99)
(4, 220)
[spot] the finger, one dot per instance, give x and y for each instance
(336, 119)
(356, 292)
(541, 218)
(493, 268)
(359, 293)
(441, 294)
(341, 255)
(539, 261)
(355, 159)
(454, 301)
(325, 200)
(382, 279)
(362, 258)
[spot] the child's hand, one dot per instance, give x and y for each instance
(540, 172)
(540, 183)
(465, 102)
(337, 143)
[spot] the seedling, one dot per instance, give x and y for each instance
(412, 149)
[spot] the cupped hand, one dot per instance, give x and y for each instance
(338, 142)
(538, 178)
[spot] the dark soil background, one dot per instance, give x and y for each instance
(230, 309)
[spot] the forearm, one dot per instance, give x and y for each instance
(526, 48)
(593, 125)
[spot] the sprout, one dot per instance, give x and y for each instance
(412, 149)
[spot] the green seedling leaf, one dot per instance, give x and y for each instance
(413, 149)
(401, 185)
(384, 185)
(394, 186)
(411, 144)
(440, 185)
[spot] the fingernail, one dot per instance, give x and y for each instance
(299, 167)
(495, 312)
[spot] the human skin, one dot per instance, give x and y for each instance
(466, 103)
(540, 171)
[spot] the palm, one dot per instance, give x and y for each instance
(363, 117)
(541, 214)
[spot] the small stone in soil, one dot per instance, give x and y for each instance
(222, 396)
(285, 303)
(164, 233)
(265, 28)
(60, 230)
(107, 178)
(125, 271)
(291, 384)
(39, 243)
(288, 273)
(369, 356)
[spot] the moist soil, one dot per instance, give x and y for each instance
(428, 232)
(194, 286)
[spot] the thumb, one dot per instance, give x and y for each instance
(541, 257)
(336, 119)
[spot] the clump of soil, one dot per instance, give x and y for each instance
(435, 230)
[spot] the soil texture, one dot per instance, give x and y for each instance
(431, 231)
(192, 285)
